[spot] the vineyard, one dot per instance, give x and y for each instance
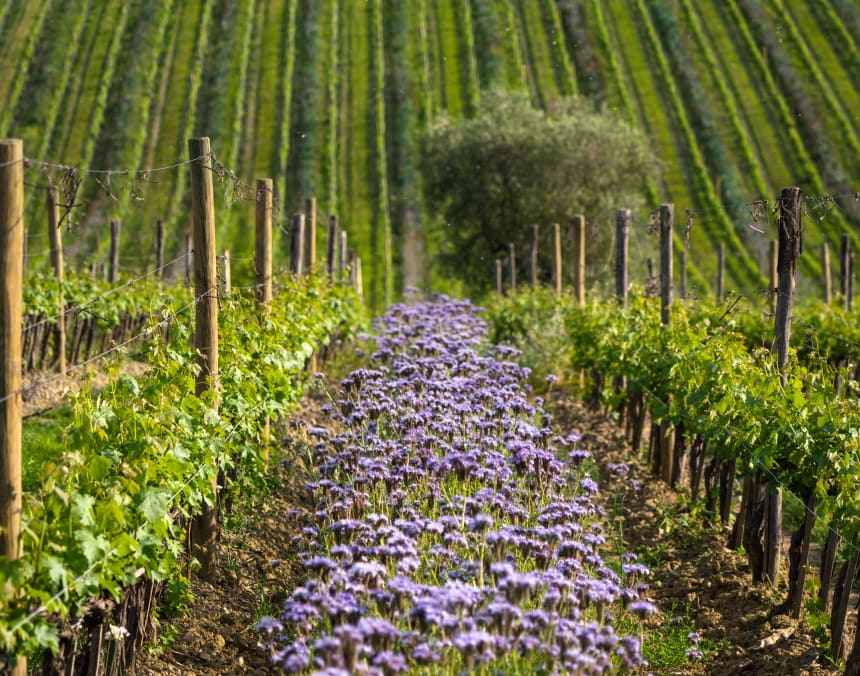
(738, 98)
(212, 461)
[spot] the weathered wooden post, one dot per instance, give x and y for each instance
(512, 265)
(297, 249)
(311, 233)
(55, 237)
(228, 278)
(188, 257)
(721, 271)
(556, 258)
(667, 226)
(533, 257)
(331, 245)
(825, 269)
(263, 242)
(774, 277)
(113, 270)
(11, 301)
(204, 528)
(159, 248)
(790, 244)
(622, 236)
(579, 235)
(350, 259)
(499, 289)
(359, 283)
(841, 597)
(341, 258)
(845, 269)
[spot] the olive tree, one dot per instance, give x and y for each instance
(488, 178)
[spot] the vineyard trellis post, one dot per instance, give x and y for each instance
(790, 248)
(188, 251)
(204, 529)
(263, 242)
(772, 275)
(721, 272)
(359, 283)
(113, 267)
(533, 257)
(825, 270)
(512, 266)
(341, 257)
(55, 237)
(845, 269)
(665, 434)
(499, 276)
(667, 226)
(311, 233)
(331, 245)
(227, 275)
(297, 248)
(579, 236)
(556, 258)
(11, 302)
(159, 248)
(622, 240)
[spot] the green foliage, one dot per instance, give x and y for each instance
(513, 165)
(139, 457)
(703, 372)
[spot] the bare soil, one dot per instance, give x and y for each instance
(692, 572)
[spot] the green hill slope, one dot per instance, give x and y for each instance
(328, 97)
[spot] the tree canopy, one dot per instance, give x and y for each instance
(489, 178)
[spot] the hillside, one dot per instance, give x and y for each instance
(328, 97)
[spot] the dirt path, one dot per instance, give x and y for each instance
(694, 579)
(694, 575)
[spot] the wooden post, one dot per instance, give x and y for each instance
(297, 249)
(113, 270)
(159, 248)
(667, 223)
(721, 271)
(359, 283)
(341, 258)
(556, 258)
(790, 247)
(188, 251)
(263, 242)
(512, 266)
(825, 268)
(11, 301)
(311, 234)
(204, 528)
(533, 257)
(228, 281)
(499, 288)
(331, 248)
(579, 236)
(774, 277)
(55, 237)
(683, 274)
(350, 259)
(622, 236)
(844, 268)
(841, 598)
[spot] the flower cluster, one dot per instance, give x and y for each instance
(449, 526)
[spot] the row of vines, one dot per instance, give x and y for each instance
(710, 376)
